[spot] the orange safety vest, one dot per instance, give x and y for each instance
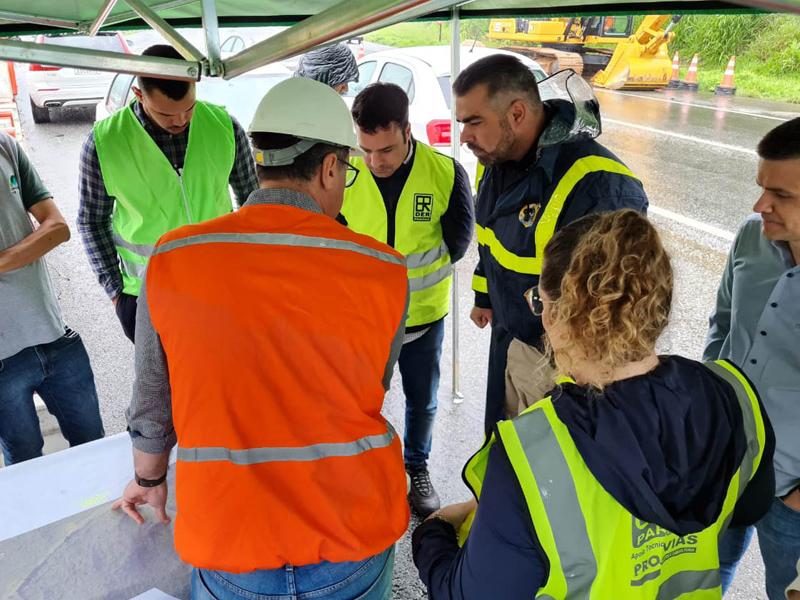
(277, 324)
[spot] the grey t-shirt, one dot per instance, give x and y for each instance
(29, 313)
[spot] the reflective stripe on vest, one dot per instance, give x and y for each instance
(418, 232)
(276, 239)
(546, 226)
(150, 197)
(580, 550)
(254, 456)
(479, 284)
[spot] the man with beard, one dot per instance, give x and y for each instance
(543, 170)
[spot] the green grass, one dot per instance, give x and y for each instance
(754, 80)
(404, 35)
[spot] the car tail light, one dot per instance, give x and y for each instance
(7, 123)
(35, 67)
(438, 132)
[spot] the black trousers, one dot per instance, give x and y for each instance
(496, 377)
(126, 313)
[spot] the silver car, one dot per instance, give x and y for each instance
(51, 88)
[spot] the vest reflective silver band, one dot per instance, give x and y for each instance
(688, 581)
(277, 239)
(144, 250)
(133, 269)
(749, 423)
(560, 500)
(416, 284)
(423, 259)
(253, 456)
(748, 419)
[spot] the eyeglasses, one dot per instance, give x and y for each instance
(535, 302)
(351, 173)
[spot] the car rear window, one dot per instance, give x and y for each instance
(444, 83)
(110, 43)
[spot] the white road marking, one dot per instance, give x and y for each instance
(682, 136)
(696, 105)
(693, 223)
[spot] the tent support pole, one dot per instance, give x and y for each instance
(22, 18)
(340, 22)
(211, 27)
(455, 146)
(181, 44)
(102, 15)
(99, 60)
(130, 15)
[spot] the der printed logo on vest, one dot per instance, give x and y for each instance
(423, 207)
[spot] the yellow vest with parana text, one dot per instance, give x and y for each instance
(598, 550)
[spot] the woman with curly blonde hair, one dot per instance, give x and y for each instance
(619, 483)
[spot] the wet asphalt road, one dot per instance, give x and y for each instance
(694, 155)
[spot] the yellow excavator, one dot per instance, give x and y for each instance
(639, 59)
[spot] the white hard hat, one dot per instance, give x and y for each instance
(305, 109)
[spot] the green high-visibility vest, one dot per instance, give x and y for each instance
(418, 229)
(151, 198)
(596, 548)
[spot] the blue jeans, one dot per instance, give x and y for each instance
(61, 374)
(779, 540)
(419, 369)
(369, 579)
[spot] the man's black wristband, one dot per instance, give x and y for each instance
(148, 483)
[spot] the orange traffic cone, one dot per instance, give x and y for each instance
(727, 88)
(360, 54)
(675, 80)
(690, 83)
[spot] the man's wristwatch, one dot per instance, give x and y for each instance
(148, 483)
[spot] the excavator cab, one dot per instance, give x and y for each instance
(611, 27)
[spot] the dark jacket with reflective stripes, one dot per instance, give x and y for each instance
(671, 479)
(509, 194)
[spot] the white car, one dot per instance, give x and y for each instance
(424, 73)
(51, 88)
(239, 95)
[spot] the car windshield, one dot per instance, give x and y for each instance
(109, 43)
(240, 95)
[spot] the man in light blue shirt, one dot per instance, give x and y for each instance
(756, 324)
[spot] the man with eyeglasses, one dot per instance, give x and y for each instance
(543, 170)
(419, 202)
(288, 478)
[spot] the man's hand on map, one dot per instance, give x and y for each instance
(136, 495)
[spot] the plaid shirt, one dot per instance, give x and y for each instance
(96, 206)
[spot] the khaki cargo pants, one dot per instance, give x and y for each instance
(529, 377)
